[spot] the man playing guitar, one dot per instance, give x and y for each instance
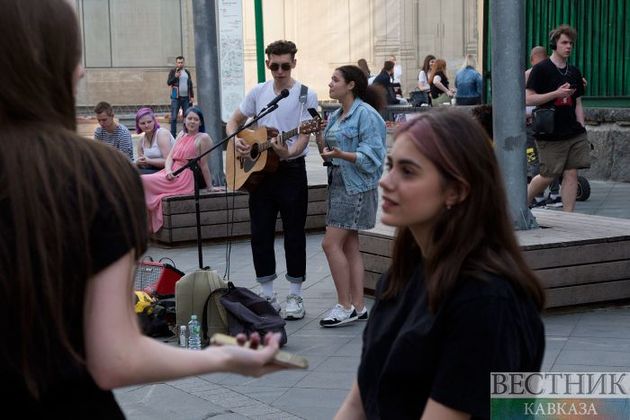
(285, 190)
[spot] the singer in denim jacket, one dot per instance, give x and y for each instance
(363, 132)
(355, 140)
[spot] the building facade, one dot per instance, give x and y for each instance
(130, 45)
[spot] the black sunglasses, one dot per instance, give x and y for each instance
(276, 66)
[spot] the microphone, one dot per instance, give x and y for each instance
(282, 95)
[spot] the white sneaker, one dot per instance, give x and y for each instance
(338, 315)
(273, 300)
(294, 308)
(363, 315)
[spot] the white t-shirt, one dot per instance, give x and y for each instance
(397, 73)
(290, 112)
(423, 79)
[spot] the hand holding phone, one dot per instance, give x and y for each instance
(281, 358)
(332, 143)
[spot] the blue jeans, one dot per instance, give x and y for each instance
(283, 191)
(182, 102)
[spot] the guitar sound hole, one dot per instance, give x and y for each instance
(254, 152)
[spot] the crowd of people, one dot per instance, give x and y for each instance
(159, 152)
(432, 81)
(76, 221)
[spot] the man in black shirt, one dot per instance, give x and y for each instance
(384, 79)
(553, 83)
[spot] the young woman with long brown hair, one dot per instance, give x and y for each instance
(459, 301)
(72, 225)
(355, 138)
(423, 75)
(441, 93)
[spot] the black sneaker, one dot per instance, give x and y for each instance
(538, 202)
(554, 202)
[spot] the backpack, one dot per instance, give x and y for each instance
(247, 313)
(153, 315)
(198, 293)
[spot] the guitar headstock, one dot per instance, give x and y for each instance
(312, 126)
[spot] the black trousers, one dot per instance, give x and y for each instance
(284, 191)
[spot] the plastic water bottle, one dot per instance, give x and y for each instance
(183, 339)
(194, 333)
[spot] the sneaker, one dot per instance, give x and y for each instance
(273, 300)
(554, 202)
(363, 315)
(294, 308)
(538, 202)
(338, 315)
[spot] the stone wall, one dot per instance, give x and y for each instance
(609, 133)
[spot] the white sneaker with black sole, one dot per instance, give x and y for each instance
(338, 315)
(294, 308)
(363, 315)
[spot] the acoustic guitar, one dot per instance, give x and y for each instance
(244, 173)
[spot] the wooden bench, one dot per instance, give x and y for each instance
(579, 258)
(219, 209)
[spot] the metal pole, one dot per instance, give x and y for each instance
(260, 40)
(508, 103)
(208, 88)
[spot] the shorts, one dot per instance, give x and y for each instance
(557, 156)
(349, 211)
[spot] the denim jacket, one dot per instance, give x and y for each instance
(363, 132)
(468, 83)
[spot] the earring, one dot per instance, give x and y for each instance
(448, 207)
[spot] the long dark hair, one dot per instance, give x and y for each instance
(426, 66)
(363, 65)
(473, 238)
(370, 94)
(202, 122)
(52, 185)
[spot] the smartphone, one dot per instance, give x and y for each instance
(330, 143)
(283, 358)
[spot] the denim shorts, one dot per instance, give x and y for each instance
(349, 211)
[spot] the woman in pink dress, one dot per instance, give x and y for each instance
(191, 142)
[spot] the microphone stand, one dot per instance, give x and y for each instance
(193, 165)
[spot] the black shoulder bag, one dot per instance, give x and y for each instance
(543, 121)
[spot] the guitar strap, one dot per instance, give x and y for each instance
(302, 99)
(303, 94)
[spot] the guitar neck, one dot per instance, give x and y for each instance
(283, 137)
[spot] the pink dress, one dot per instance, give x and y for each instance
(156, 186)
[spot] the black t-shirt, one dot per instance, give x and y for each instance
(74, 394)
(545, 77)
(435, 91)
(410, 355)
(384, 79)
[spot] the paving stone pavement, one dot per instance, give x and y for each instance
(578, 339)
